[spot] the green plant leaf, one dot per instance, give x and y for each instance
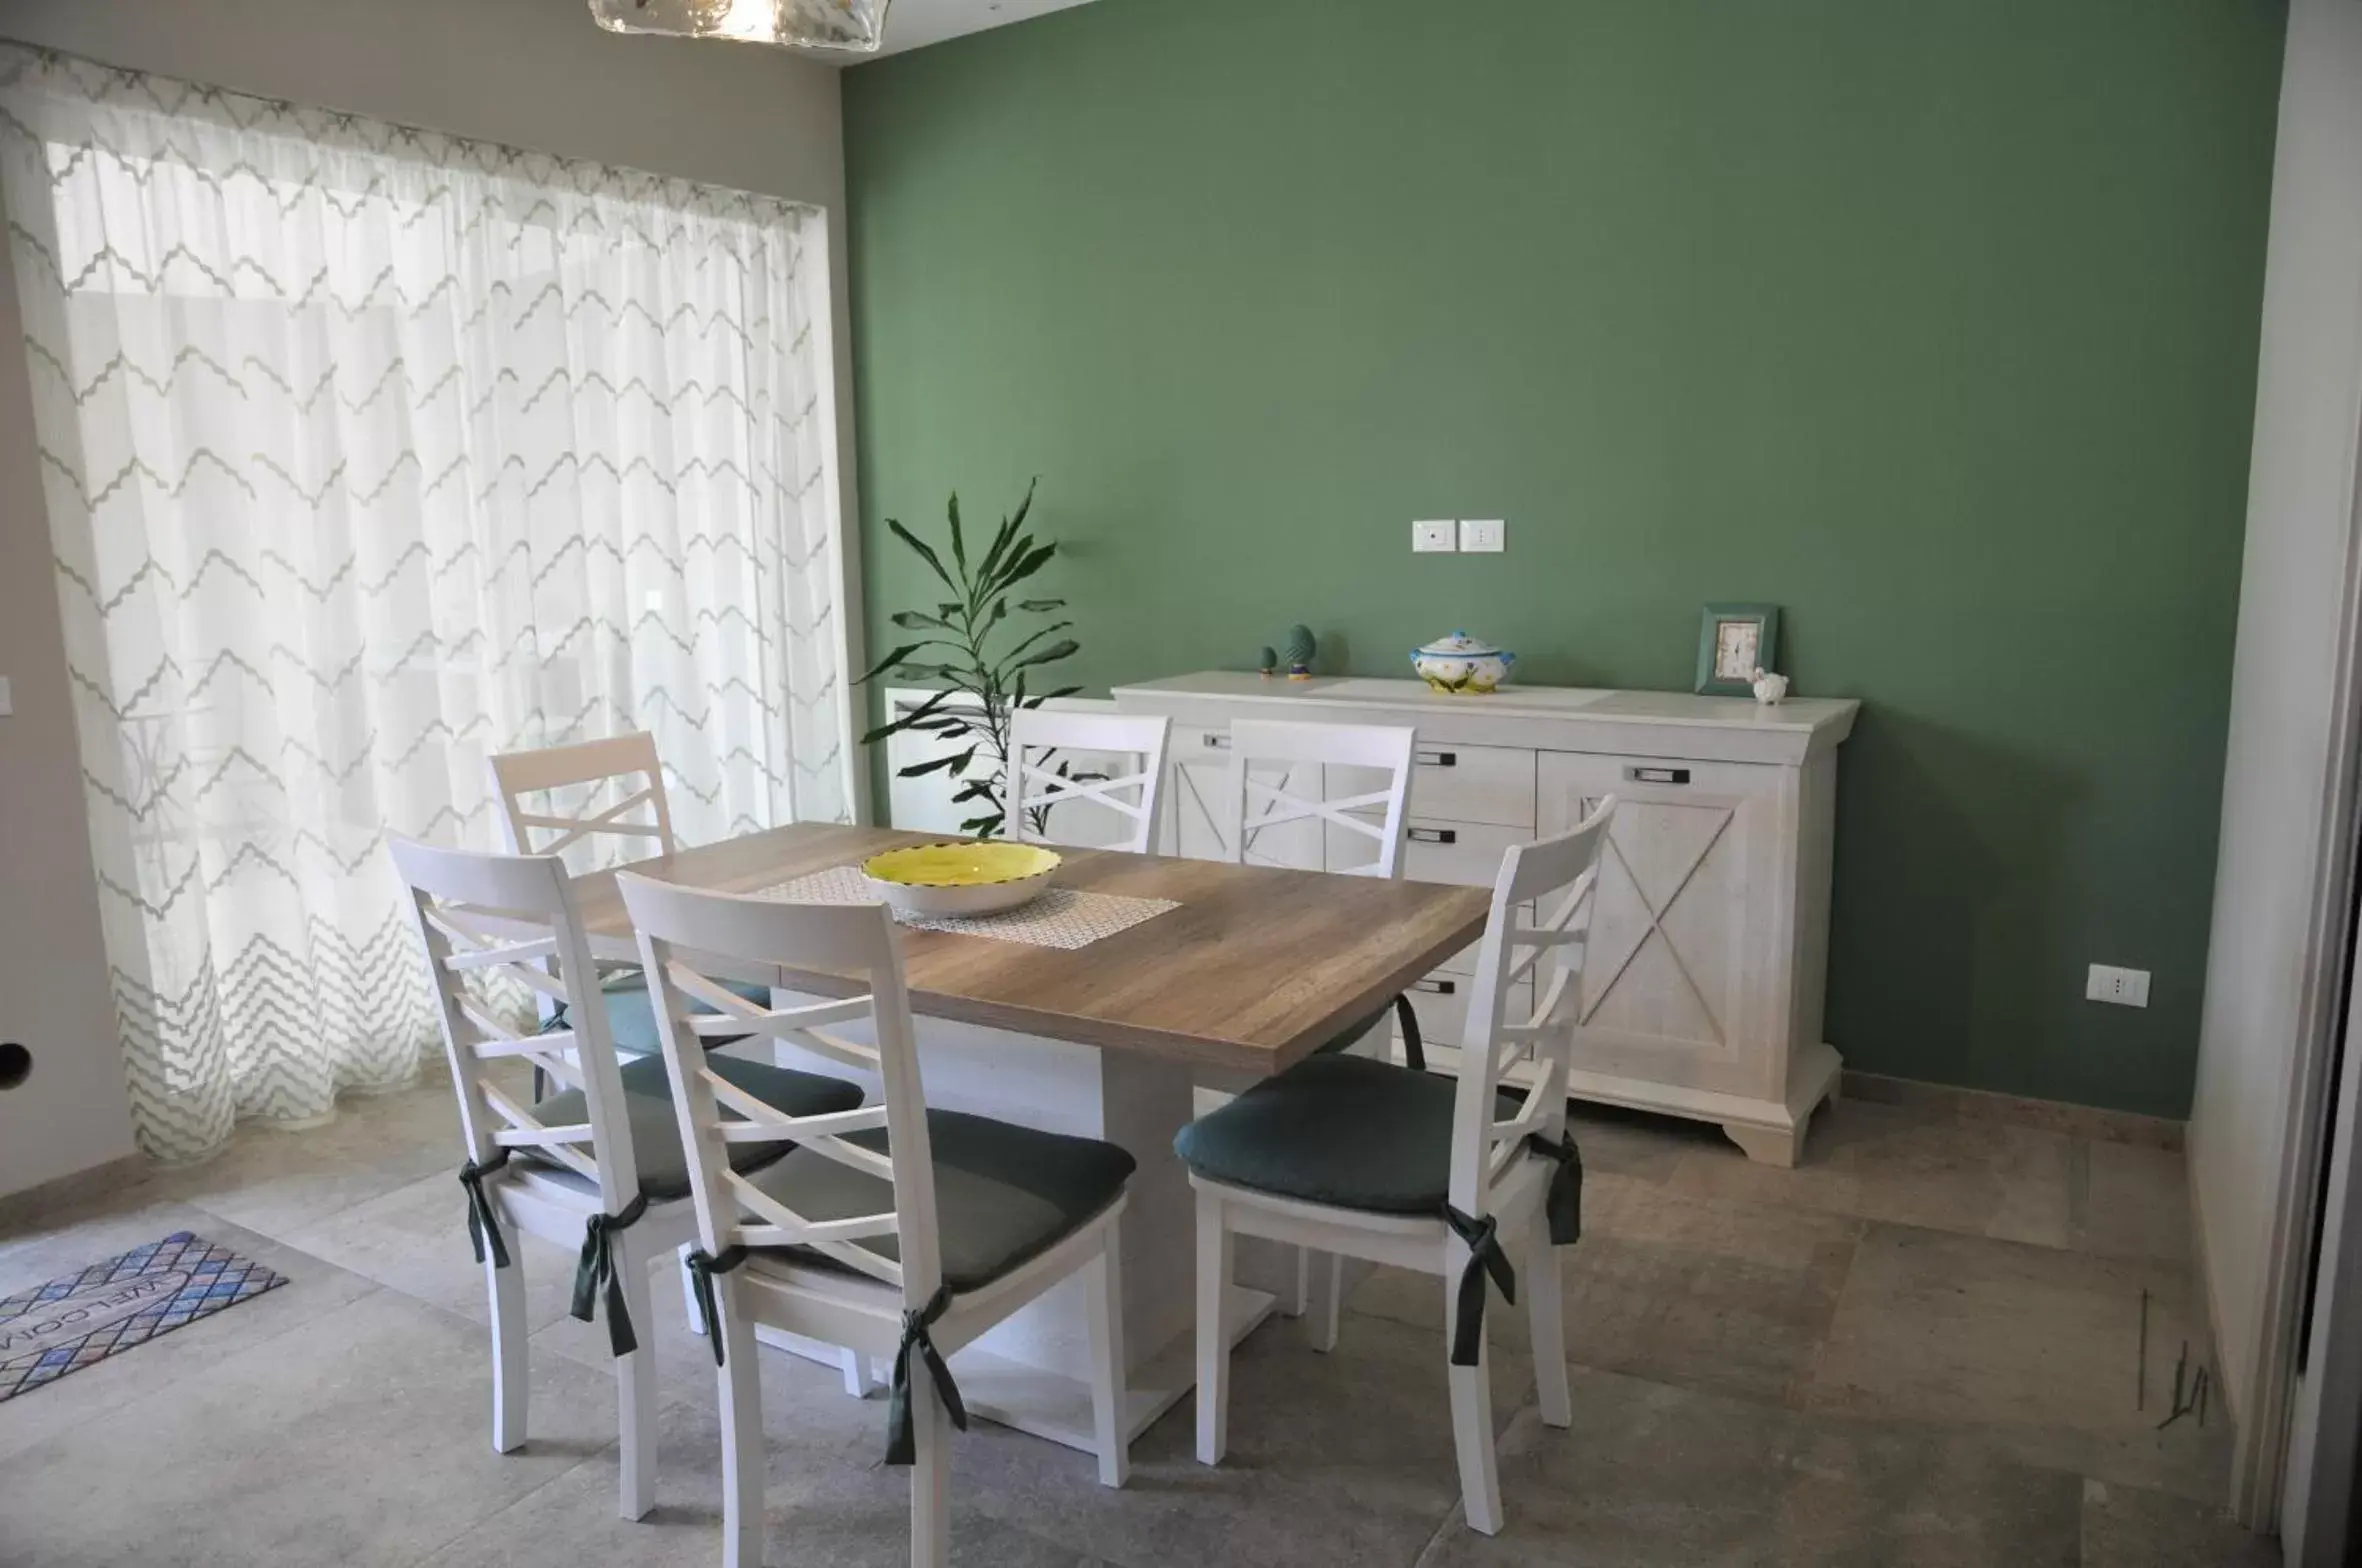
(919, 770)
(1054, 627)
(1040, 606)
(1063, 648)
(889, 662)
(925, 551)
(1025, 566)
(914, 621)
(959, 546)
(982, 827)
(1063, 691)
(974, 789)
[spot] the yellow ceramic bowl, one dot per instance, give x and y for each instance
(961, 879)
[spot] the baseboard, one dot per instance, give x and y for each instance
(19, 1208)
(2082, 1121)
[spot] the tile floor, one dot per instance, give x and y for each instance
(1921, 1347)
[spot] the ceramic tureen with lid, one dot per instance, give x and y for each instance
(1461, 663)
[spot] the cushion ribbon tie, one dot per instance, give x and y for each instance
(1414, 1049)
(1484, 1257)
(595, 1270)
(1564, 1205)
(901, 1443)
(483, 1225)
(703, 1266)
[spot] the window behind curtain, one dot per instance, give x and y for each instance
(367, 453)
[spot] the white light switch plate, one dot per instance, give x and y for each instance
(1483, 535)
(2124, 987)
(1431, 538)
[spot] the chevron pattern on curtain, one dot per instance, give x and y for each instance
(369, 452)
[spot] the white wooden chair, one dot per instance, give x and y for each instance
(1397, 1166)
(597, 1166)
(1273, 760)
(1285, 771)
(1034, 782)
(889, 1230)
(625, 766)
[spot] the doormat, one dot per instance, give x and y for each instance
(83, 1318)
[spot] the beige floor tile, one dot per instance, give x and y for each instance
(2127, 1527)
(1907, 1166)
(76, 1240)
(1657, 1477)
(414, 1239)
(1344, 1458)
(2037, 1351)
(279, 1183)
(2130, 1201)
(1731, 1298)
(353, 1439)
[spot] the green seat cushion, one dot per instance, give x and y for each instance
(656, 1133)
(1341, 1130)
(631, 1012)
(1004, 1194)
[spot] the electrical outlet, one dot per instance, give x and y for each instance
(1483, 535)
(1432, 537)
(2123, 987)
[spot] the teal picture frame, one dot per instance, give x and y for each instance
(1765, 621)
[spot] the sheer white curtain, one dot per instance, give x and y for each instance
(368, 452)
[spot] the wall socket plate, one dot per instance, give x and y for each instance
(1483, 535)
(2123, 987)
(1431, 538)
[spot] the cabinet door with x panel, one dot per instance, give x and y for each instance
(1686, 983)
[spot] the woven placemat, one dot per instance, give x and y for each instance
(1063, 917)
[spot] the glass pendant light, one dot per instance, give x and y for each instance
(856, 25)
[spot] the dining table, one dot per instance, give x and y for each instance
(1241, 972)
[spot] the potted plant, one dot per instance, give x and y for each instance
(983, 648)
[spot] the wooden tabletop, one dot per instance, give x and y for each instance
(1253, 972)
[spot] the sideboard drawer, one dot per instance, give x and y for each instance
(1464, 854)
(1473, 784)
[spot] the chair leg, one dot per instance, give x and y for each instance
(930, 1478)
(1299, 1299)
(1214, 1251)
(743, 1455)
(688, 1289)
(510, 1384)
(855, 1367)
(1546, 1321)
(635, 1389)
(1472, 1411)
(1103, 1287)
(1331, 1305)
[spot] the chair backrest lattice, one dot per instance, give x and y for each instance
(682, 929)
(1043, 784)
(1539, 927)
(507, 924)
(562, 797)
(1280, 775)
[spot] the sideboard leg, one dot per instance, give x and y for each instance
(1767, 1145)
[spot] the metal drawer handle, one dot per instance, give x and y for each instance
(1657, 775)
(1436, 987)
(1216, 742)
(1435, 836)
(1439, 759)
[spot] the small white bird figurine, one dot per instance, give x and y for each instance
(1770, 688)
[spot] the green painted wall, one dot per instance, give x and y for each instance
(1933, 322)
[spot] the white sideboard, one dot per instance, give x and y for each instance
(1702, 990)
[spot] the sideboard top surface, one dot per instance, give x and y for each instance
(1793, 729)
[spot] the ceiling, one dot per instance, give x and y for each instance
(913, 24)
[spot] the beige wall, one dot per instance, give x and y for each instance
(531, 73)
(2271, 982)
